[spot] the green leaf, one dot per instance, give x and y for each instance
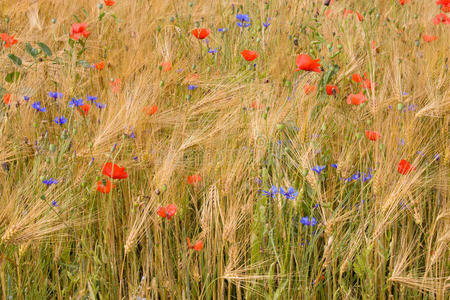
(33, 52)
(100, 17)
(71, 43)
(76, 18)
(45, 48)
(11, 77)
(85, 12)
(15, 59)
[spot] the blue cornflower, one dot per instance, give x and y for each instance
(334, 166)
(54, 203)
(37, 106)
(437, 157)
(91, 98)
(245, 25)
(135, 158)
(223, 29)
(266, 24)
(50, 181)
(55, 95)
(308, 222)
(26, 98)
(60, 120)
(356, 176)
(318, 169)
(192, 87)
(404, 93)
(258, 180)
(243, 18)
(212, 51)
(290, 193)
(367, 177)
(132, 135)
(75, 102)
(272, 192)
(99, 105)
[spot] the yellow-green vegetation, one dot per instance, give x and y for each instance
(326, 182)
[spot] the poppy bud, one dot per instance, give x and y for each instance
(400, 106)
(53, 20)
(161, 83)
(164, 188)
(52, 148)
(43, 197)
(42, 178)
(188, 97)
(305, 172)
(280, 126)
(100, 5)
(35, 125)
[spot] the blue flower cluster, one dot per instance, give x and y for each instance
(244, 20)
(50, 181)
(290, 193)
(307, 221)
(55, 95)
(37, 106)
(60, 120)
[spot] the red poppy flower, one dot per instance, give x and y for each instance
(194, 179)
(150, 110)
(403, 2)
(197, 246)
(7, 98)
(356, 99)
(366, 84)
(78, 30)
(308, 89)
(115, 85)
(445, 5)
(249, 55)
(328, 12)
(441, 18)
(306, 63)
(201, 33)
(358, 78)
(166, 66)
(168, 211)
(100, 66)
(84, 109)
(360, 17)
(109, 2)
(429, 38)
(332, 89)
(372, 135)
(349, 12)
(105, 186)
(114, 171)
(9, 40)
(404, 167)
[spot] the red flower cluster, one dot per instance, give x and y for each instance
(8, 40)
(306, 63)
(78, 30)
(168, 211)
(197, 246)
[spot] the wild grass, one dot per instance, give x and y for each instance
(385, 238)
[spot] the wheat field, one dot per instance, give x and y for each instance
(145, 155)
